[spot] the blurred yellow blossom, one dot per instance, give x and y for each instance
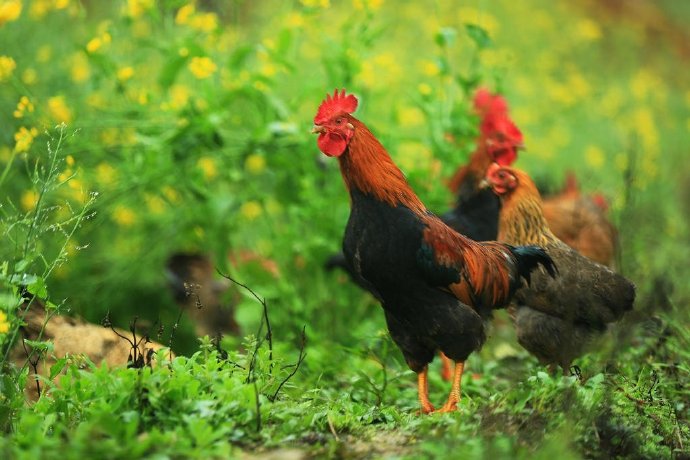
(411, 116)
(24, 106)
(294, 20)
(96, 100)
(251, 210)
(9, 11)
(5, 153)
(39, 8)
(644, 83)
(424, 89)
(644, 125)
(594, 157)
(125, 73)
(61, 4)
(154, 204)
(202, 67)
(588, 30)
(429, 68)
(29, 200)
(58, 109)
(23, 138)
(184, 14)
(204, 22)
(208, 167)
(136, 8)
(99, 42)
(316, 3)
(612, 101)
(105, 174)
(171, 194)
(7, 66)
(372, 5)
(30, 76)
(255, 163)
(124, 216)
(4, 324)
(80, 71)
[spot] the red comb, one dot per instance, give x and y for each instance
(487, 104)
(334, 105)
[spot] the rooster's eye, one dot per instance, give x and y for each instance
(339, 121)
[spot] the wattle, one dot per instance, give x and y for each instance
(331, 144)
(505, 157)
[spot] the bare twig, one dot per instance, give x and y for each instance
(300, 358)
(262, 301)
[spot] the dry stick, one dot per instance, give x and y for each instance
(262, 300)
(34, 365)
(300, 358)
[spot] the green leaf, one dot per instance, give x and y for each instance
(478, 35)
(56, 368)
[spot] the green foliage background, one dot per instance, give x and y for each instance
(167, 126)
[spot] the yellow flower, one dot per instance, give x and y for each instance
(594, 157)
(69, 160)
(255, 163)
(208, 167)
(23, 106)
(58, 109)
(124, 216)
(205, 22)
(411, 116)
(184, 14)
(294, 20)
(29, 200)
(251, 210)
(424, 89)
(105, 174)
(371, 5)
(125, 73)
(61, 4)
(588, 30)
(4, 324)
(171, 194)
(39, 8)
(94, 44)
(136, 8)
(154, 204)
(79, 70)
(202, 67)
(9, 11)
(316, 3)
(29, 76)
(7, 66)
(429, 68)
(23, 139)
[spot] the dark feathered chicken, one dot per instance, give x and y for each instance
(555, 319)
(436, 286)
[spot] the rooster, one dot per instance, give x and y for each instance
(555, 319)
(436, 286)
(476, 210)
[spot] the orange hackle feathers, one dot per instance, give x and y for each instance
(334, 105)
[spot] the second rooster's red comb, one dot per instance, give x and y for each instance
(489, 104)
(333, 105)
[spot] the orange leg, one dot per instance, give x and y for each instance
(423, 388)
(445, 367)
(454, 396)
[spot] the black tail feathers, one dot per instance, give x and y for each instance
(336, 260)
(529, 257)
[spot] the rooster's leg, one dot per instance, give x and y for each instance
(423, 388)
(445, 367)
(454, 396)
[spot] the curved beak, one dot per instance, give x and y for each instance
(484, 183)
(317, 129)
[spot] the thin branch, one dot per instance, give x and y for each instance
(301, 357)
